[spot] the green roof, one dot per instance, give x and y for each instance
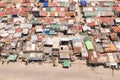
(100, 9)
(48, 9)
(66, 63)
(83, 34)
(12, 57)
(54, 26)
(88, 44)
(67, 4)
(9, 0)
(86, 39)
(53, 9)
(35, 22)
(88, 15)
(109, 4)
(52, 32)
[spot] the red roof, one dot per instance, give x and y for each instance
(15, 11)
(116, 29)
(107, 19)
(54, 4)
(40, 38)
(58, 9)
(72, 1)
(25, 9)
(3, 4)
(43, 13)
(25, 1)
(91, 24)
(117, 8)
(9, 9)
(101, 3)
(80, 27)
(18, 30)
(2, 14)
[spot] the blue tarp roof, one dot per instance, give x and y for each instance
(45, 5)
(43, 0)
(83, 2)
(47, 31)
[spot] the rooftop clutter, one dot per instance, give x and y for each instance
(33, 29)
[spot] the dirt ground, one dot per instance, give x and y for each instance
(46, 71)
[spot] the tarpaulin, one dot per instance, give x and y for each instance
(45, 5)
(43, 0)
(83, 2)
(47, 31)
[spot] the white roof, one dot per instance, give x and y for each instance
(17, 34)
(62, 0)
(111, 58)
(94, 54)
(11, 31)
(70, 21)
(117, 19)
(39, 29)
(25, 31)
(33, 47)
(21, 19)
(99, 0)
(64, 55)
(64, 39)
(35, 9)
(86, 28)
(18, 5)
(49, 41)
(34, 37)
(26, 26)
